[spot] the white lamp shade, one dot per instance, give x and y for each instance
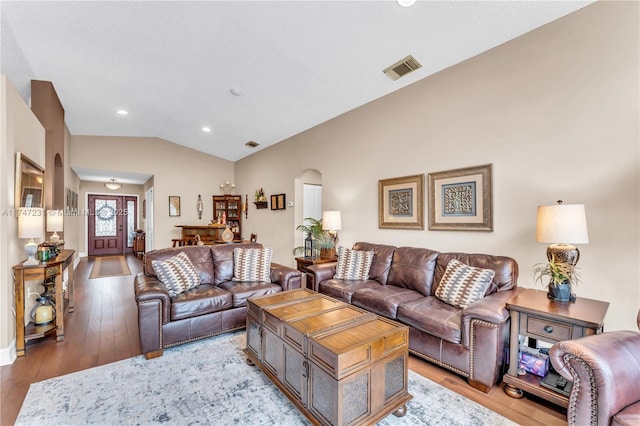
(331, 220)
(55, 220)
(562, 223)
(30, 223)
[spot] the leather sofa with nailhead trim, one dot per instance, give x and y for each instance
(605, 371)
(216, 306)
(473, 342)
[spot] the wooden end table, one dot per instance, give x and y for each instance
(539, 318)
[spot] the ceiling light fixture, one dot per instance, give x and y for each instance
(122, 112)
(113, 184)
(235, 92)
(406, 3)
(206, 129)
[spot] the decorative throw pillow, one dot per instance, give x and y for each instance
(176, 273)
(353, 264)
(462, 284)
(251, 265)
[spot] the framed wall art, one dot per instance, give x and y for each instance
(401, 202)
(460, 199)
(174, 205)
(278, 202)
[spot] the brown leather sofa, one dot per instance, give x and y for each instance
(605, 371)
(216, 306)
(402, 282)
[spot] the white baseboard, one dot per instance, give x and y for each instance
(8, 355)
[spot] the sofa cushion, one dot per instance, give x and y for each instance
(222, 255)
(630, 415)
(201, 300)
(200, 257)
(176, 273)
(344, 290)
(506, 269)
(384, 300)
(381, 264)
(462, 284)
(353, 264)
(413, 268)
(251, 264)
(434, 317)
(242, 291)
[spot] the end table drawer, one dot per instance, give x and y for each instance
(549, 329)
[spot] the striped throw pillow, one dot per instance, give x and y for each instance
(353, 264)
(250, 265)
(176, 273)
(462, 284)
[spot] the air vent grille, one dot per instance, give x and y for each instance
(402, 67)
(252, 144)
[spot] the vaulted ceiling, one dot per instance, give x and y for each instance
(248, 71)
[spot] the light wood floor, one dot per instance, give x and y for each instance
(104, 328)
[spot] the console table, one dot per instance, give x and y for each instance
(53, 268)
(338, 364)
(537, 317)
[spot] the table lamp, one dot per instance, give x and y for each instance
(55, 223)
(332, 222)
(30, 225)
(562, 225)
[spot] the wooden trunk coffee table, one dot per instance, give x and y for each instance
(338, 364)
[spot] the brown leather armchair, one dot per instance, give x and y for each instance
(605, 370)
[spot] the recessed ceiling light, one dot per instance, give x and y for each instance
(235, 92)
(406, 3)
(206, 129)
(122, 112)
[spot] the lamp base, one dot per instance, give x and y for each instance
(566, 253)
(30, 249)
(54, 238)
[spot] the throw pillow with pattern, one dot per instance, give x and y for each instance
(251, 265)
(353, 264)
(462, 284)
(176, 273)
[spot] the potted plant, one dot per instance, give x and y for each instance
(562, 276)
(321, 238)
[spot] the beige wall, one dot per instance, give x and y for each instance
(556, 113)
(176, 170)
(20, 131)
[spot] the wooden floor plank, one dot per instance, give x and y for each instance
(104, 328)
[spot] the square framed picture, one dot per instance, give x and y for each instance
(460, 199)
(278, 202)
(174, 205)
(401, 202)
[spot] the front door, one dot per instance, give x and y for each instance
(106, 220)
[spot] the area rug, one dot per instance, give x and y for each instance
(109, 266)
(209, 382)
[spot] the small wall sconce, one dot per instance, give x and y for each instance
(199, 206)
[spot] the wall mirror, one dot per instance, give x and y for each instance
(29, 182)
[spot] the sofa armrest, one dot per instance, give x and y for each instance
(149, 289)
(320, 272)
(491, 308)
(605, 370)
(288, 278)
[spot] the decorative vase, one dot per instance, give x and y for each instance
(43, 311)
(560, 292)
(227, 235)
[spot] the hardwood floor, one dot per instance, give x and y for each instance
(103, 329)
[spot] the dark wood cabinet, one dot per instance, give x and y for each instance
(138, 243)
(230, 207)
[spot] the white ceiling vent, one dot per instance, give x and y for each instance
(402, 67)
(252, 144)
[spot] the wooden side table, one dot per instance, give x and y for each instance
(44, 270)
(302, 263)
(537, 317)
